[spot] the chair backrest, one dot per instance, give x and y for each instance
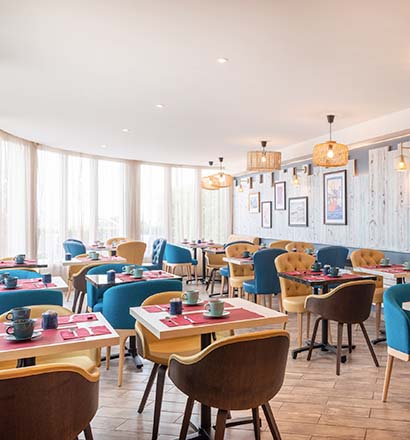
(250, 238)
(177, 254)
(397, 320)
(280, 244)
(366, 257)
(215, 259)
(116, 240)
(300, 246)
(258, 360)
(236, 251)
(266, 275)
(20, 298)
(158, 251)
(22, 273)
(237, 242)
(118, 300)
(333, 255)
(133, 251)
(348, 303)
(79, 281)
(289, 262)
(51, 401)
(37, 311)
(74, 247)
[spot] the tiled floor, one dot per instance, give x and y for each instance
(313, 404)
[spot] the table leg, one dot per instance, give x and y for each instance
(131, 351)
(203, 266)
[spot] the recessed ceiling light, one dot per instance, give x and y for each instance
(125, 130)
(222, 60)
(159, 106)
(103, 146)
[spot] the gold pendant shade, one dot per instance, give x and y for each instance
(264, 161)
(206, 183)
(218, 180)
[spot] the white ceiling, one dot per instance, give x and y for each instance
(74, 73)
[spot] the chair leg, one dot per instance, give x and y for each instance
(339, 347)
(300, 328)
(284, 324)
(220, 424)
(80, 301)
(222, 285)
(378, 318)
(349, 337)
(271, 421)
(256, 423)
(369, 344)
(75, 300)
(88, 434)
(107, 357)
(280, 303)
(148, 388)
(312, 342)
(121, 360)
(213, 276)
(158, 400)
(307, 324)
(387, 376)
(196, 275)
(187, 418)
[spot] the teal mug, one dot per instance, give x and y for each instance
(191, 296)
(406, 265)
(137, 272)
(215, 307)
(128, 269)
(334, 271)
(20, 258)
(11, 282)
(22, 329)
(18, 313)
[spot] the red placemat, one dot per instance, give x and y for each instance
(28, 285)
(83, 317)
(84, 332)
(345, 276)
(199, 318)
(165, 307)
(147, 275)
(394, 268)
(13, 263)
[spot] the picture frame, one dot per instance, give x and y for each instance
(298, 211)
(254, 203)
(266, 215)
(335, 198)
(279, 190)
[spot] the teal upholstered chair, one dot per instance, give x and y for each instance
(20, 298)
(74, 247)
(180, 257)
(333, 255)
(157, 256)
(21, 273)
(397, 328)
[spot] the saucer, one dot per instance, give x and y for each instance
(10, 323)
(224, 315)
(34, 336)
(10, 288)
(385, 265)
(135, 277)
(185, 303)
(334, 276)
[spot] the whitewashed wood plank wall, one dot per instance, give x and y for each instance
(378, 207)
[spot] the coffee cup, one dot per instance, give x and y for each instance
(137, 272)
(68, 256)
(193, 241)
(383, 262)
(406, 265)
(3, 277)
(18, 313)
(326, 269)
(94, 255)
(215, 307)
(334, 271)
(309, 251)
(128, 269)
(191, 296)
(246, 254)
(110, 276)
(20, 258)
(11, 282)
(387, 261)
(46, 278)
(316, 266)
(49, 320)
(175, 306)
(21, 329)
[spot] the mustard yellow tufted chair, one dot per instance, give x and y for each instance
(293, 293)
(251, 238)
(280, 244)
(371, 257)
(300, 246)
(238, 274)
(116, 240)
(132, 251)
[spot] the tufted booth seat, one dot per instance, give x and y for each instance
(239, 274)
(371, 257)
(157, 256)
(293, 293)
(280, 244)
(250, 238)
(300, 246)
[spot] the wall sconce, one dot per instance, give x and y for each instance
(401, 165)
(305, 169)
(295, 178)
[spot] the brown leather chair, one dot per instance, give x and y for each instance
(214, 262)
(79, 284)
(48, 402)
(348, 304)
(238, 373)
(132, 251)
(300, 246)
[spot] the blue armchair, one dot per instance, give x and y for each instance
(180, 257)
(116, 308)
(158, 251)
(266, 281)
(21, 298)
(74, 247)
(397, 328)
(333, 255)
(21, 273)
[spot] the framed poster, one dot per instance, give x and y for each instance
(266, 214)
(254, 202)
(298, 211)
(334, 198)
(280, 196)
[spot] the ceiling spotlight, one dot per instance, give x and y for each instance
(125, 130)
(159, 106)
(103, 146)
(222, 60)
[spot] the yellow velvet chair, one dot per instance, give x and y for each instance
(159, 352)
(116, 240)
(371, 257)
(214, 262)
(280, 244)
(85, 359)
(238, 274)
(293, 293)
(300, 246)
(250, 238)
(132, 251)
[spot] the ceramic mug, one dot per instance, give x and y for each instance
(215, 307)
(191, 296)
(246, 254)
(406, 265)
(46, 277)
(18, 313)
(3, 277)
(22, 329)
(49, 320)
(334, 271)
(137, 272)
(175, 306)
(128, 269)
(11, 282)
(20, 258)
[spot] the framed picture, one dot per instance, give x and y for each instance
(266, 214)
(254, 202)
(280, 196)
(298, 211)
(334, 198)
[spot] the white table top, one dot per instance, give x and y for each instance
(406, 306)
(60, 284)
(152, 321)
(100, 248)
(203, 245)
(384, 272)
(42, 349)
(238, 261)
(32, 264)
(85, 261)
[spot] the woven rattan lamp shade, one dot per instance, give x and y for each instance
(206, 183)
(338, 156)
(256, 163)
(221, 180)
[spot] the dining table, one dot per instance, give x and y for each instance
(100, 248)
(57, 283)
(243, 314)
(28, 264)
(74, 332)
(84, 261)
(240, 261)
(394, 272)
(320, 283)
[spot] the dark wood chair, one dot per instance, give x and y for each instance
(348, 304)
(237, 373)
(48, 402)
(80, 287)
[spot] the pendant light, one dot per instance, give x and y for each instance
(264, 161)
(206, 181)
(401, 166)
(330, 153)
(221, 179)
